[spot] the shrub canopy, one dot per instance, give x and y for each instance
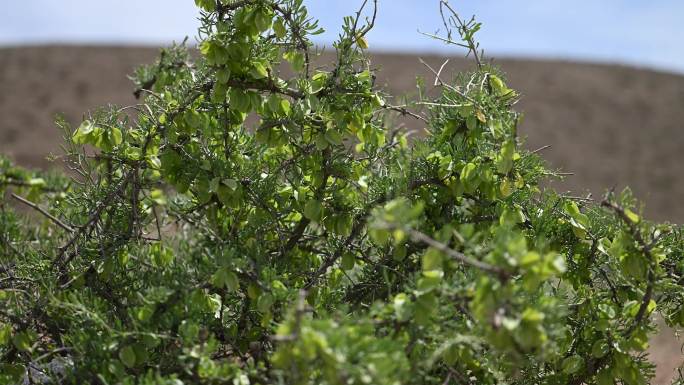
(257, 219)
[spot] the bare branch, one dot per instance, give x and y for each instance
(540, 149)
(440, 82)
(51, 217)
(404, 111)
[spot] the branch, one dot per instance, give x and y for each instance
(356, 34)
(360, 222)
(51, 217)
(463, 28)
(540, 149)
(358, 226)
(302, 43)
(418, 236)
(270, 85)
(404, 111)
(93, 218)
(646, 250)
(440, 82)
(299, 230)
(297, 234)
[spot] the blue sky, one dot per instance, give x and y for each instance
(646, 33)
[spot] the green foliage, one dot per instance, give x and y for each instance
(247, 226)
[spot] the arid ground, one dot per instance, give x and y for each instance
(611, 126)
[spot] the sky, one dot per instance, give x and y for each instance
(644, 33)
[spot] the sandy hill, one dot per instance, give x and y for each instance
(610, 125)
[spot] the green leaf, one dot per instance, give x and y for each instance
(342, 224)
(239, 100)
(207, 5)
(599, 349)
(432, 260)
(573, 364)
(380, 236)
(161, 256)
(154, 162)
(425, 307)
(127, 356)
(362, 42)
(279, 28)
(529, 259)
(321, 142)
(634, 265)
(115, 136)
(23, 341)
(263, 20)
(579, 221)
(605, 377)
(223, 75)
(466, 110)
(230, 183)
(36, 182)
(511, 216)
(471, 122)
(532, 315)
(504, 161)
(133, 153)
(285, 107)
(470, 177)
(632, 216)
(571, 208)
(232, 282)
(259, 71)
(83, 132)
(205, 47)
(5, 334)
(141, 354)
(265, 302)
(333, 137)
(498, 86)
(278, 105)
(235, 52)
(402, 307)
(607, 310)
(313, 210)
(296, 59)
(348, 261)
(399, 252)
(226, 278)
(12, 373)
(430, 280)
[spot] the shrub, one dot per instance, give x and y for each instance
(242, 225)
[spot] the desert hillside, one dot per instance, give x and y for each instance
(610, 125)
